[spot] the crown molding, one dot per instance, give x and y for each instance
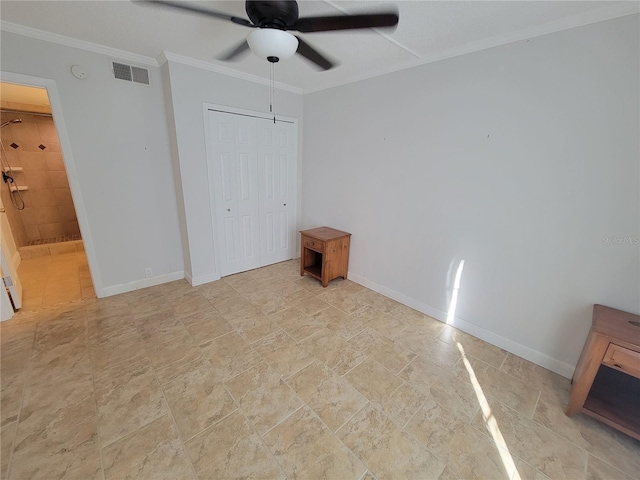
(606, 13)
(174, 57)
(75, 43)
(600, 15)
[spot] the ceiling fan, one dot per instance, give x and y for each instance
(273, 19)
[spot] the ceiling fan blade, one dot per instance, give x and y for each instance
(310, 53)
(233, 53)
(345, 22)
(197, 9)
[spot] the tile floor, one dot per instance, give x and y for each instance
(55, 279)
(265, 374)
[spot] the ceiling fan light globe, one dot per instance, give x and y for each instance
(271, 42)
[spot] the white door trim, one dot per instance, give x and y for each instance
(206, 107)
(72, 174)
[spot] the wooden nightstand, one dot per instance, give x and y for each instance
(606, 383)
(324, 254)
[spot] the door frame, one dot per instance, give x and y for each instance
(70, 166)
(206, 107)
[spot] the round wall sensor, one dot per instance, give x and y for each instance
(78, 72)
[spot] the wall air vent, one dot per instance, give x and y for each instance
(130, 73)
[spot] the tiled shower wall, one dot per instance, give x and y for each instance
(34, 146)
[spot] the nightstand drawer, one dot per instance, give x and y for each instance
(315, 245)
(622, 359)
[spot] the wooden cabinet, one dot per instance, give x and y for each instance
(324, 254)
(606, 383)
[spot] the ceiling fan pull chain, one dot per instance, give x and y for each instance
(270, 83)
(273, 86)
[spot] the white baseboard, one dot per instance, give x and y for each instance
(144, 283)
(195, 281)
(539, 358)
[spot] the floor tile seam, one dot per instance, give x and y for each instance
(335, 434)
(175, 424)
(282, 420)
(95, 400)
(535, 406)
(212, 425)
(485, 433)
(504, 360)
(366, 356)
(544, 427)
(94, 344)
(541, 385)
(313, 359)
(195, 344)
(509, 375)
(366, 404)
(497, 400)
(317, 417)
(273, 334)
(107, 378)
(261, 437)
(426, 391)
(408, 364)
(415, 439)
(28, 373)
(22, 399)
(305, 338)
(364, 475)
(243, 332)
(537, 470)
(252, 365)
(607, 462)
(171, 364)
(406, 424)
(199, 345)
(348, 339)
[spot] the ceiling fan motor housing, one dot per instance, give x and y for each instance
(274, 13)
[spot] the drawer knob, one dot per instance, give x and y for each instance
(618, 365)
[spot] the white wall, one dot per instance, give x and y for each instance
(519, 159)
(117, 133)
(187, 89)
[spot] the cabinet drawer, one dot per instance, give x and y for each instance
(622, 359)
(312, 244)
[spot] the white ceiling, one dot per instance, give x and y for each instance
(428, 31)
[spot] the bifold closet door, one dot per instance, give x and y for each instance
(276, 190)
(254, 183)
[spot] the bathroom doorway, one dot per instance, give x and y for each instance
(38, 203)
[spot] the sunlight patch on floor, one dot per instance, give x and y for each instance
(489, 419)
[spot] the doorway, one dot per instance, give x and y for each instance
(252, 169)
(39, 208)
